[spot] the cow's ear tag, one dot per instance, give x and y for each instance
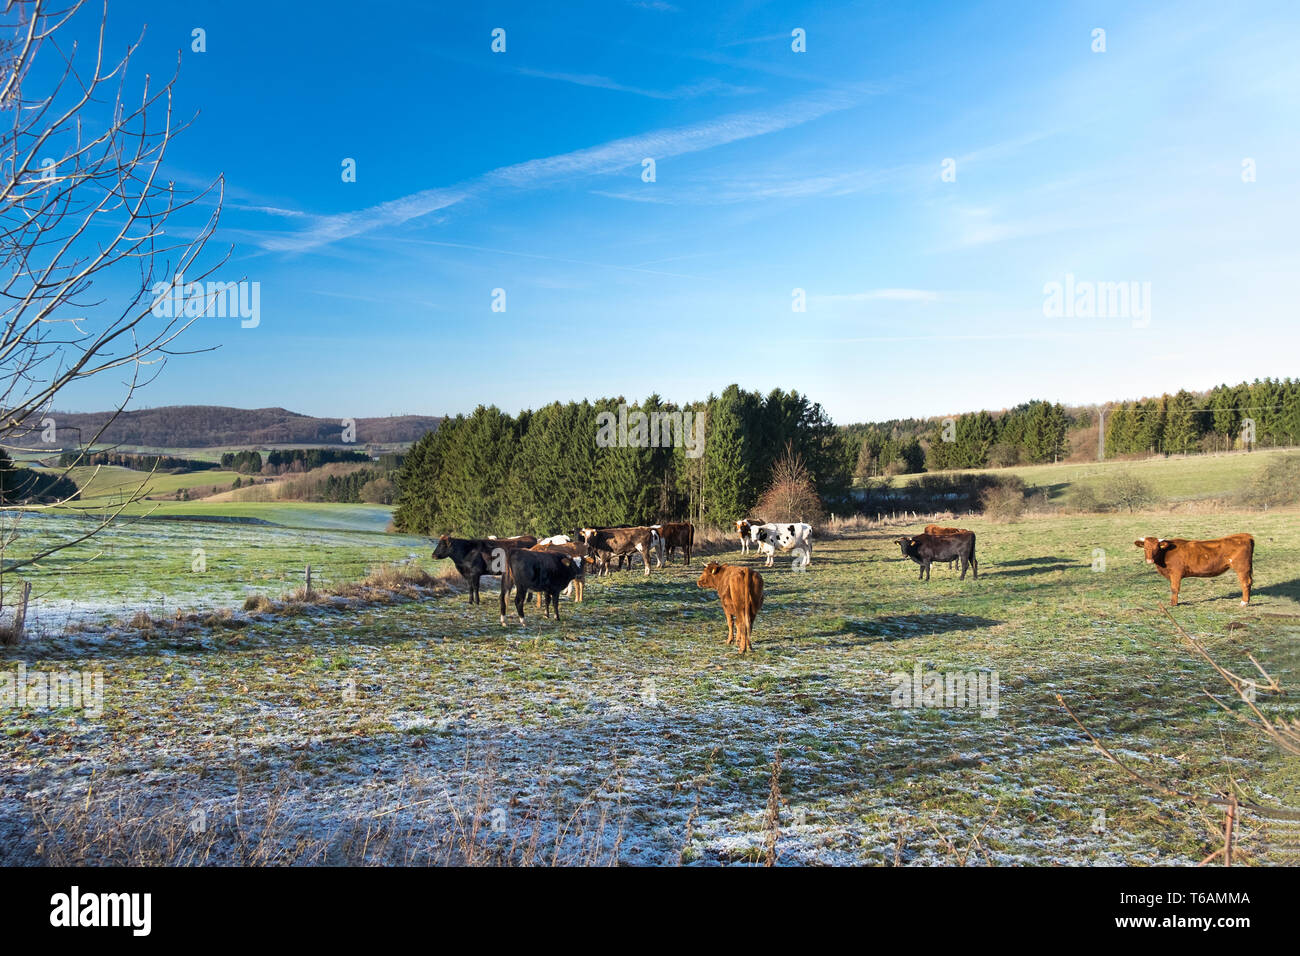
(1164, 544)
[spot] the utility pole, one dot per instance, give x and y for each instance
(1101, 433)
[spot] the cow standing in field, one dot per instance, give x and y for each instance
(576, 550)
(543, 571)
(787, 537)
(743, 527)
(609, 543)
(475, 557)
(940, 529)
(1178, 558)
(679, 534)
(741, 593)
(927, 548)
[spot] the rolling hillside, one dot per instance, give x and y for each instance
(213, 426)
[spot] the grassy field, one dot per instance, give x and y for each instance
(1173, 478)
(162, 563)
(104, 489)
(422, 731)
(102, 486)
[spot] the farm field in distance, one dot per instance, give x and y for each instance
(149, 563)
(630, 733)
(1176, 478)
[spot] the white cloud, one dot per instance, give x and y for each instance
(685, 91)
(604, 158)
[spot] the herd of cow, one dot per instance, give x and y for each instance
(560, 563)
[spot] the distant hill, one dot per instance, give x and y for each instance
(215, 426)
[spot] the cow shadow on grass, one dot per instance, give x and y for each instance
(1026, 562)
(1284, 589)
(1019, 572)
(897, 627)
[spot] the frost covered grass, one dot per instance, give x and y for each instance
(160, 566)
(421, 731)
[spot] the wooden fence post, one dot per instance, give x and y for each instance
(20, 615)
(309, 581)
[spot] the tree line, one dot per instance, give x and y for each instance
(134, 461)
(282, 461)
(1265, 412)
(26, 486)
(544, 471)
(1032, 432)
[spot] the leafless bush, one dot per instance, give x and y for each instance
(1004, 501)
(1275, 484)
(1126, 490)
(791, 493)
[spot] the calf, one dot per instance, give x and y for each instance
(1178, 558)
(607, 543)
(787, 537)
(743, 527)
(741, 592)
(475, 557)
(925, 548)
(543, 571)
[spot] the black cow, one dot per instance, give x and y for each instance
(925, 548)
(544, 571)
(475, 557)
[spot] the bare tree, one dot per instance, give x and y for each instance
(791, 493)
(83, 206)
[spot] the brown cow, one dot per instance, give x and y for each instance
(940, 529)
(742, 528)
(1178, 558)
(518, 541)
(606, 543)
(741, 591)
(680, 534)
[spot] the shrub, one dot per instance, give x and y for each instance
(1126, 490)
(1084, 498)
(792, 494)
(1276, 483)
(1004, 501)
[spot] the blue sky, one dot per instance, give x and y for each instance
(775, 170)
